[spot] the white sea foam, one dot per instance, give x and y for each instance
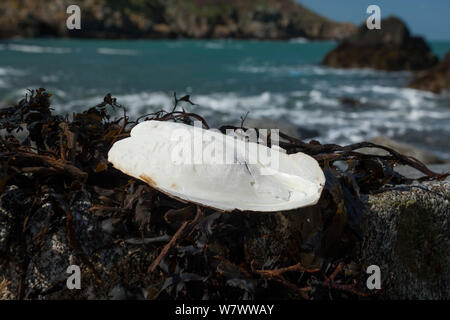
(317, 97)
(231, 102)
(136, 104)
(8, 71)
(37, 49)
(254, 69)
(299, 40)
(302, 70)
(266, 103)
(49, 78)
(214, 45)
(118, 52)
(155, 100)
(17, 94)
(297, 94)
(57, 92)
(312, 109)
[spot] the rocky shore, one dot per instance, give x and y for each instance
(256, 19)
(390, 48)
(406, 235)
(435, 79)
(62, 204)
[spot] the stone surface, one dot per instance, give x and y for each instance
(435, 79)
(406, 233)
(389, 48)
(408, 237)
(404, 148)
(412, 173)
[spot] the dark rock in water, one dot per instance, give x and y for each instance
(389, 48)
(403, 148)
(351, 102)
(435, 79)
(354, 103)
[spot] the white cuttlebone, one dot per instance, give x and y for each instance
(148, 155)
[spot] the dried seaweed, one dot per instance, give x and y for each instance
(183, 251)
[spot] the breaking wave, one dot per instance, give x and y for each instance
(37, 49)
(409, 111)
(118, 52)
(275, 80)
(6, 73)
(305, 70)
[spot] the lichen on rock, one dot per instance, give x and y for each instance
(407, 236)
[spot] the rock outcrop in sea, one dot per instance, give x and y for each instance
(435, 79)
(390, 48)
(250, 19)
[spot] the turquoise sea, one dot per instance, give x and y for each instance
(275, 80)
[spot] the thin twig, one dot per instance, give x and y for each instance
(167, 247)
(278, 272)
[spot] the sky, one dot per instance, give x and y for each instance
(429, 18)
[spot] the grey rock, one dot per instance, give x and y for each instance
(412, 173)
(121, 292)
(406, 233)
(107, 226)
(435, 79)
(404, 148)
(407, 236)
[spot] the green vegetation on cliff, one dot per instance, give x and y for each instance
(256, 19)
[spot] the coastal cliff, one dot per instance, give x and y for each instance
(251, 19)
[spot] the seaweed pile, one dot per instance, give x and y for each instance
(59, 192)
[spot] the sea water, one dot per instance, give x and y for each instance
(277, 80)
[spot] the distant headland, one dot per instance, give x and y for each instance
(169, 19)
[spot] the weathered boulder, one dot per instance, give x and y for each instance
(407, 236)
(404, 148)
(389, 48)
(115, 267)
(435, 79)
(412, 173)
(37, 269)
